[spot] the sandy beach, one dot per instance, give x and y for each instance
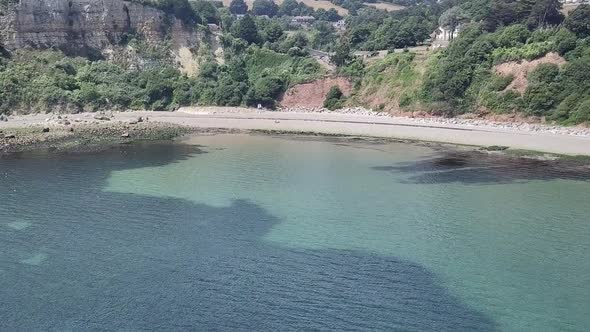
(527, 137)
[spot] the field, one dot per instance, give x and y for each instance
(315, 4)
(390, 7)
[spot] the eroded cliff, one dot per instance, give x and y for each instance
(80, 26)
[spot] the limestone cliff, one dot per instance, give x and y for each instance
(77, 26)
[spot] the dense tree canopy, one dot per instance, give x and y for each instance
(265, 7)
(579, 21)
(238, 7)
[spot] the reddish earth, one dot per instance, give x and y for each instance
(521, 69)
(313, 94)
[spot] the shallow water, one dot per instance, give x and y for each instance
(277, 233)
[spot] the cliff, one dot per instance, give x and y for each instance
(79, 26)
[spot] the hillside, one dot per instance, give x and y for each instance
(529, 68)
(504, 58)
(315, 4)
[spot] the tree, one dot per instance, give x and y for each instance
(578, 21)
(180, 9)
(323, 36)
(452, 18)
(246, 29)
(545, 12)
(265, 7)
(289, 8)
(206, 11)
(238, 7)
(342, 54)
(273, 32)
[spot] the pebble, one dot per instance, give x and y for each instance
(530, 127)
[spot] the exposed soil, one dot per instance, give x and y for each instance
(313, 94)
(520, 70)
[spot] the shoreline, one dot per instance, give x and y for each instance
(26, 132)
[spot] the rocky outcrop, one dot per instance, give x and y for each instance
(81, 25)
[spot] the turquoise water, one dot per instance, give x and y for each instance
(274, 233)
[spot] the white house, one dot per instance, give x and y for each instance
(445, 34)
(339, 25)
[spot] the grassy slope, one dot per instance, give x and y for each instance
(392, 84)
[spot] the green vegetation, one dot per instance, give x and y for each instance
(265, 53)
(181, 9)
(334, 99)
(390, 84)
(43, 81)
(462, 79)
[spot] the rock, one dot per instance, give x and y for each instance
(132, 122)
(101, 117)
(10, 136)
(125, 135)
(45, 130)
(86, 24)
(139, 119)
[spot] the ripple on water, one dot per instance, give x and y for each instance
(18, 225)
(35, 260)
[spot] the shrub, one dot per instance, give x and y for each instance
(566, 45)
(582, 112)
(530, 51)
(334, 98)
(500, 82)
(264, 91)
(513, 35)
(544, 73)
(539, 99)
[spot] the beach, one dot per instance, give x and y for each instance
(522, 136)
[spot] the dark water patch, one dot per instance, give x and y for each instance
(481, 168)
(94, 260)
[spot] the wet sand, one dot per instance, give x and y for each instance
(559, 141)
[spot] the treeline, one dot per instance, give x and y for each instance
(373, 29)
(181, 9)
(43, 81)
(260, 62)
(286, 8)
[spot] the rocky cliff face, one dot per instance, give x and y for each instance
(81, 25)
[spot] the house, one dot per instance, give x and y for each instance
(445, 34)
(213, 27)
(302, 20)
(339, 25)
